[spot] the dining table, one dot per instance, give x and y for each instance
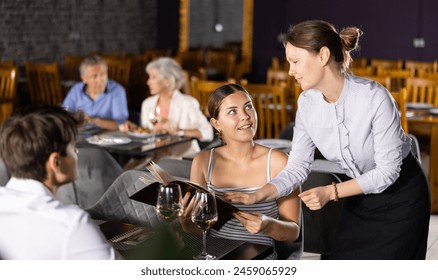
(171, 242)
(126, 145)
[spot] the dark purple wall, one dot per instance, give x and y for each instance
(389, 26)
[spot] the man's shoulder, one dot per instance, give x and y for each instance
(114, 86)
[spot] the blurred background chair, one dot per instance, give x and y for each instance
(119, 70)
(44, 82)
(219, 65)
(420, 90)
(8, 91)
(201, 90)
(116, 206)
(433, 169)
(176, 167)
(71, 67)
(274, 113)
(97, 170)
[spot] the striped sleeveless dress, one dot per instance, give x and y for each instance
(233, 229)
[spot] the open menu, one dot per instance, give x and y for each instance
(149, 194)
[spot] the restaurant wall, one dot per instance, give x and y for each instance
(46, 30)
(389, 27)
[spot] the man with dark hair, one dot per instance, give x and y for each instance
(37, 145)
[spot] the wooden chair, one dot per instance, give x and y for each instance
(276, 77)
(119, 70)
(201, 90)
(191, 61)
(422, 91)
(71, 67)
(44, 83)
(433, 170)
(428, 75)
(279, 64)
(400, 99)
(273, 112)
(359, 62)
(219, 64)
(417, 67)
(384, 81)
(398, 77)
(156, 53)
(363, 71)
(8, 91)
(386, 63)
(7, 63)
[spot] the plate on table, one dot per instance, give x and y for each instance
(108, 140)
(433, 111)
(141, 132)
(89, 128)
(415, 105)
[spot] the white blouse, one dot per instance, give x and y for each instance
(361, 132)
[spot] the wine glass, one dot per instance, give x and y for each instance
(154, 117)
(169, 201)
(204, 215)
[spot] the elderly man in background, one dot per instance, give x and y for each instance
(103, 101)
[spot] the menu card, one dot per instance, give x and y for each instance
(149, 194)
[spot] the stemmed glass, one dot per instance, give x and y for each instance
(204, 215)
(154, 117)
(169, 201)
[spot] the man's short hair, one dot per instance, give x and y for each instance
(31, 134)
(91, 61)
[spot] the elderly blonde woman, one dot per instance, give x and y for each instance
(168, 110)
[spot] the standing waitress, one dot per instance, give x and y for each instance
(355, 123)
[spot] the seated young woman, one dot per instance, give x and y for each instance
(241, 165)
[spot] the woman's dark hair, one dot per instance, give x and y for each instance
(312, 35)
(31, 134)
(215, 100)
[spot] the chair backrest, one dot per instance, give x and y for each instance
(400, 98)
(201, 90)
(422, 90)
(116, 206)
(156, 53)
(8, 90)
(421, 66)
(190, 60)
(398, 77)
(71, 67)
(44, 83)
(278, 63)
(176, 167)
(274, 113)
(359, 62)
(386, 63)
(433, 169)
(119, 70)
(221, 61)
(97, 170)
(364, 71)
(320, 226)
(384, 81)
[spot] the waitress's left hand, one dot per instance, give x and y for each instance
(316, 198)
